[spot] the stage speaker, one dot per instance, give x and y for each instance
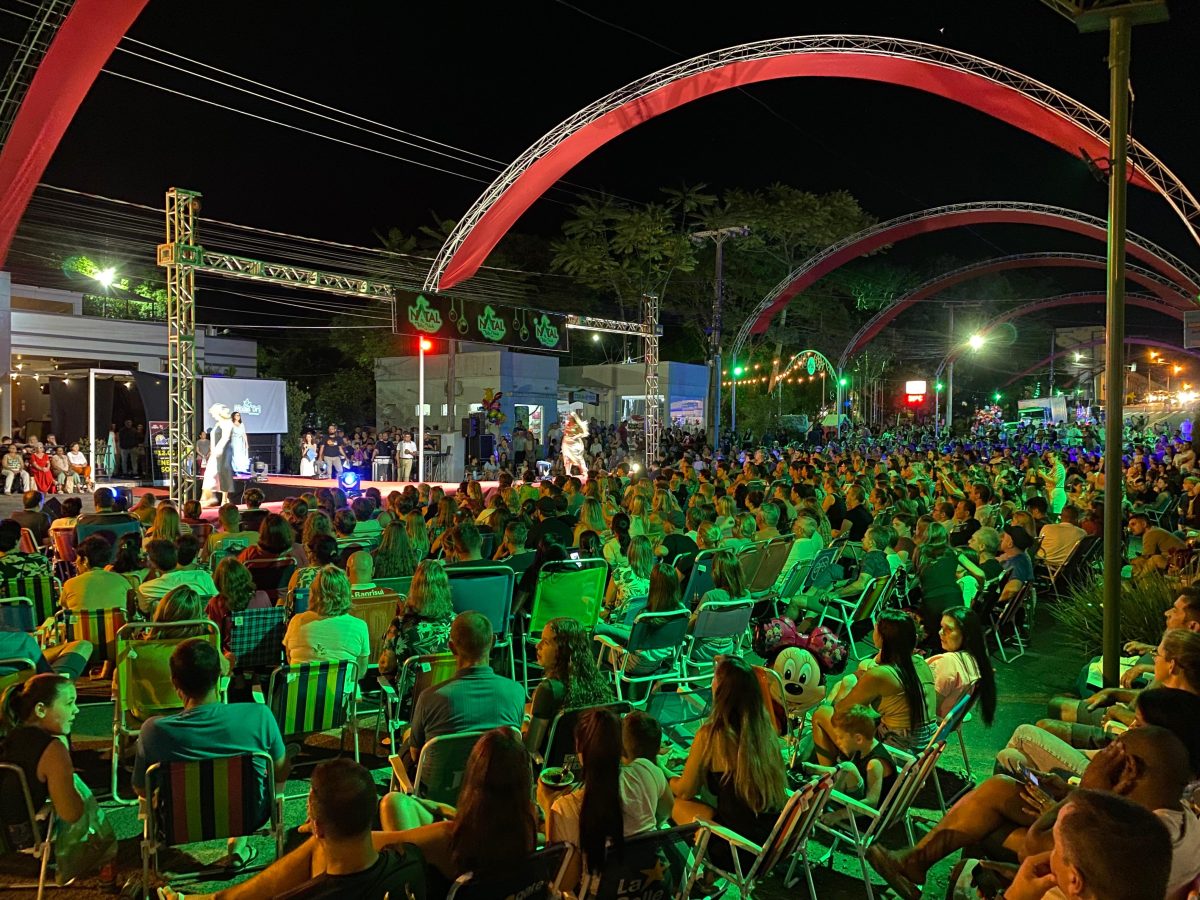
(479, 447)
(467, 424)
(123, 491)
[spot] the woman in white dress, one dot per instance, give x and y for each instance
(240, 444)
(308, 456)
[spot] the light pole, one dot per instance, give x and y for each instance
(737, 371)
(424, 344)
(718, 236)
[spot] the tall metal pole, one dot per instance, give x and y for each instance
(718, 302)
(421, 412)
(950, 375)
(733, 400)
(1114, 357)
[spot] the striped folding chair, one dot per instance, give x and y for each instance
(256, 637)
(310, 698)
(99, 626)
(142, 683)
(63, 540)
(41, 589)
(207, 800)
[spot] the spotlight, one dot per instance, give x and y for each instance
(349, 481)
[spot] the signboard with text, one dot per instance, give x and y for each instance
(160, 449)
(479, 322)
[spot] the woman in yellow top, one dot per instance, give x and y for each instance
(897, 683)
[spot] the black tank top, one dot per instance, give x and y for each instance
(23, 747)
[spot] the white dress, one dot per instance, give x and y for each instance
(308, 454)
(241, 448)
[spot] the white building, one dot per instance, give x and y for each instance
(45, 332)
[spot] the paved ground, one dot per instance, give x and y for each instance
(1024, 687)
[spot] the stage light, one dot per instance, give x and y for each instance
(596, 337)
(106, 276)
(976, 341)
(348, 481)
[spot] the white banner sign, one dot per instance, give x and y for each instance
(263, 404)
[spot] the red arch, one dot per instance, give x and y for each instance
(936, 286)
(77, 52)
(953, 218)
(968, 88)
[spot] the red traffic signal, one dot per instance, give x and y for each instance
(426, 345)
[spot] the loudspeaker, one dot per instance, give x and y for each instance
(479, 447)
(467, 425)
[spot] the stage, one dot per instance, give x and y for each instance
(279, 487)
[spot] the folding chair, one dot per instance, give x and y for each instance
(272, 575)
(560, 740)
(208, 800)
(110, 531)
(63, 541)
(202, 530)
(296, 601)
(416, 675)
(42, 590)
(310, 698)
(1006, 617)
(788, 840)
(893, 809)
(400, 585)
(17, 613)
(573, 588)
(142, 683)
(441, 766)
(652, 632)
(377, 614)
(534, 879)
(819, 574)
(699, 580)
(99, 626)
(256, 637)
(228, 548)
(16, 671)
(851, 613)
(489, 590)
(750, 558)
(716, 621)
(651, 864)
(41, 829)
(28, 543)
(774, 557)
(1074, 566)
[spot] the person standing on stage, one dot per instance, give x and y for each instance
(407, 452)
(333, 453)
(384, 450)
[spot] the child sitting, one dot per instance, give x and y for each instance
(867, 771)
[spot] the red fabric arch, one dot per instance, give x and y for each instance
(941, 222)
(84, 41)
(935, 287)
(968, 88)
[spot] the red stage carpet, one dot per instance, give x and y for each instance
(280, 487)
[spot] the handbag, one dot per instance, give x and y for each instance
(83, 846)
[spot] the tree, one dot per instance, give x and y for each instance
(298, 401)
(346, 398)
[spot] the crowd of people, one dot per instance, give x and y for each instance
(960, 528)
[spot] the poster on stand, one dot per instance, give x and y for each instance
(160, 450)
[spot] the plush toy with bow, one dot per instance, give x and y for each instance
(491, 407)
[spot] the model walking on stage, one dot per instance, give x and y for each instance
(574, 443)
(241, 445)
(218, 474)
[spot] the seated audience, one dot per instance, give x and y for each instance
(360, 568)
(571, 680)
(424, 621)
(169, 572)
(252, 516)
(15, 563)
(326, 632)
(30, 516)
(394, 557)
(235, 593)
(229, 536)
(94, 587)
(208, 728)
(274, 540)
(964, 664)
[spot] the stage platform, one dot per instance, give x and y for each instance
(279, 487)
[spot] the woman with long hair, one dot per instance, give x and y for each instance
(735, 758)
(964, 664)
(322, 550)
(180, 604)
(572, 679)
(394, 555)
(422, 625)
(591, 518)
(937, 576)
(617, 547)
(615, 800)
(896, 683)
(236, 593)
(275, 539)
(631, 581)
(729, 584)
(143, 510)
(35, 719)
(418, 534)
(663, 596)
(639, 516)
(167, 524)
(443, 521)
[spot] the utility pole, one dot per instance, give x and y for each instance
(718, 236)
(1118, 19)
(950, 375)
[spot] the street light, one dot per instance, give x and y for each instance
(106, 276)
(976, 342)
(425, 344)
(737, 373)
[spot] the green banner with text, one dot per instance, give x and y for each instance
(452, 318)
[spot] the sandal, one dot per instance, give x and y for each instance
(239, 861)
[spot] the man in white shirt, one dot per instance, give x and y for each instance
(1060, 538)
(407, 452)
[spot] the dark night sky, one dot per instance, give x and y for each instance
(493, 78)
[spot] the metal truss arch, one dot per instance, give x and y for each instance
(1164, 288)
(1099, 342)
(823, 363)
(973, 81)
